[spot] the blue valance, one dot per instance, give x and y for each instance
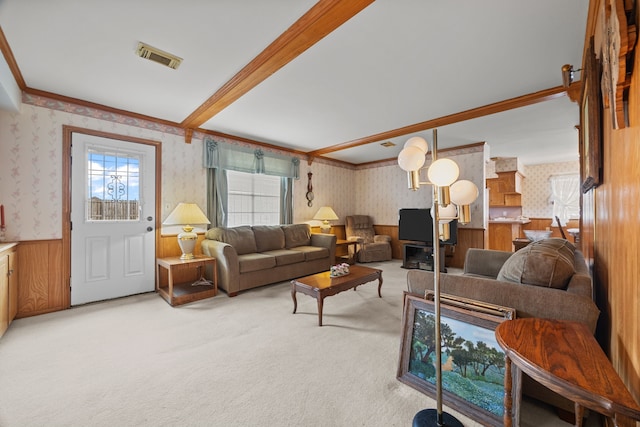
(220, 155)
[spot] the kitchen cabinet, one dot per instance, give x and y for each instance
(506, 189)
(503, 233)
(8, 285)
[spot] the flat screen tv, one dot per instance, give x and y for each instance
(417, 225)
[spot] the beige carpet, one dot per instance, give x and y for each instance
(243, 361)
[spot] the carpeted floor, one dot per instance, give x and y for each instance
(243, 361)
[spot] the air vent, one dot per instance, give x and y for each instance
(157, 55)
(388, 144)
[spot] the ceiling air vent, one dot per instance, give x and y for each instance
(157, 55)
(388, 144)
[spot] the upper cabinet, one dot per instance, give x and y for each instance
(506, 189)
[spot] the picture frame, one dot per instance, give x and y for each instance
(590, 147)
(473, 362)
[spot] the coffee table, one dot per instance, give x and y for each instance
(322, 285)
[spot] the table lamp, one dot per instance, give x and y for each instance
(185, 214)
(325, 214)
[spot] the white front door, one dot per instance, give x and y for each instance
(112, 218)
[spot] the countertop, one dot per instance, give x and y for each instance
(509, 221)
(6, 245)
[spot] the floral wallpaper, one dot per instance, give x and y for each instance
(536, 187)
(31, 167)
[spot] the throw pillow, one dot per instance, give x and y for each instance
(546, 263)
(297, 235)
(268, 237)
(241, 238)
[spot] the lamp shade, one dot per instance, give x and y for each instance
(325, 213)
(186, 214)
(418, 142)
(463, 192)
(443, 172)
(411, 158)
(446, 214)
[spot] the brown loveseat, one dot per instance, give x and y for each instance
(491, 276)
(252, 256)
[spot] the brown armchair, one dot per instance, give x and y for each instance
(371, 247)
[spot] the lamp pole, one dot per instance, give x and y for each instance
(429, 417)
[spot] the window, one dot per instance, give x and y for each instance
(565, 196)
(254, 199)
(113, 186)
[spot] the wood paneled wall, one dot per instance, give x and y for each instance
(41, 288)
(610, 238)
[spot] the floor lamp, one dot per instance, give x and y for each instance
(442, 174)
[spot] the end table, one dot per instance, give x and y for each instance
(182, 293)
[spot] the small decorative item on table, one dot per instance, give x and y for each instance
(339, 270)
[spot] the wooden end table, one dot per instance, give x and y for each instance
(322, 285)
(351, 259)
(566, 358)
(182, 293)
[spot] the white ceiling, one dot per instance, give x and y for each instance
(394, 64)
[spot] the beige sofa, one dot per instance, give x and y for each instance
(485, 279)
(252, 256)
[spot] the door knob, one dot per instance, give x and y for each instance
(149, 228)
(149, 218)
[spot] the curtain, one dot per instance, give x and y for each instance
(565, 196)
(219, 157)
(217, 197)
(286, 201)
(250, 160)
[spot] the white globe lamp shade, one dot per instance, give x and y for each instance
(411, 159)
(463, 192)
(443, 172)
(446, 214)
(419, 142)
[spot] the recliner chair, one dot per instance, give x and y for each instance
(371, 247)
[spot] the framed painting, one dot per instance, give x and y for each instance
(590, 124)
(472, 361)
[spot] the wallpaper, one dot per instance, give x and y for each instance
(31, 165)
(536, 187)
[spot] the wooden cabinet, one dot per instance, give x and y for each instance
(502, 235)
(8, 286)
(506, 189)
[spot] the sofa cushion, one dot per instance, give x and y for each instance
(547, 263)
(241, 238)
(268, 237)
(286, 256)
(255, 261)
(312, 252)
(296, 235)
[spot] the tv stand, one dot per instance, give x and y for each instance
(420, 256)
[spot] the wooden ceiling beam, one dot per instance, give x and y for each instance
(474, 113)
(323, 18)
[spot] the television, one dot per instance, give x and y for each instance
(417, 225)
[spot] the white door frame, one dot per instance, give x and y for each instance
(67, 132)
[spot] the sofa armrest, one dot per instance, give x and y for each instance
(527, 300)
(325, 241)
(485, 262)
(227, 264)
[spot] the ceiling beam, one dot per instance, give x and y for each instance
(323, 18)
(474, 113)
(11, 61)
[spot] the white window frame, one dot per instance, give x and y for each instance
(261, 187)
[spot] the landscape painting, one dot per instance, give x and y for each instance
(472, 361)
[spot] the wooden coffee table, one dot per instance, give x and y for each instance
(322, 285)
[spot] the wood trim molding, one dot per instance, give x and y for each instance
(323, 18)
(474, 113)
(11, 61)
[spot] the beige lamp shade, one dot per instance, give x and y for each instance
(325, 214)
(186, 214)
